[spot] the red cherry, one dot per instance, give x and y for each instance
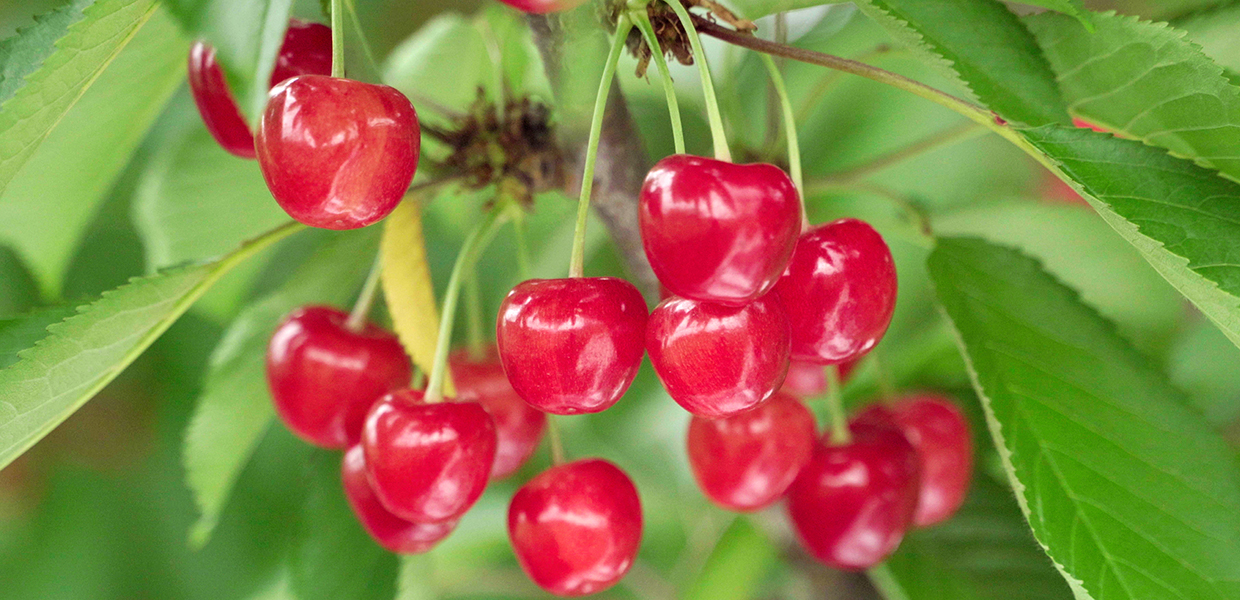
(576, 527)
(839, 292)
(390, 531)
(715, 360)
(307, 50)
(324, 377)
(746, 462)
(572, 346)
(542, 7)
(718, 231)
(852, 503)
(336, 153)
(428, 462)
(807, 379)
(518, 427)
(940, 433)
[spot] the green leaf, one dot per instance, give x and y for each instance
(1185, 220)
(333, 557)
(19, 333)
(49, 200)
(195, 200)
(18, 290)
(246, 35)
(1130, 492)
(1144, 80)
(1203, 363)
(24, 52)
(1076, 8)
(985, 552)
(982, 45)
(235, 406)
(85, 50)
(415, 67)
(737, 566)
(86, 351)
(1215, 32)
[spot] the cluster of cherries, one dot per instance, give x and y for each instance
(757, 304)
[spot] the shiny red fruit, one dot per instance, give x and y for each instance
(807, 379)
(839, 292)
(390, 531)
(337, 153)
(576, 527)
(542, 7)
(717, 231)
(324, 377)
(428, 462)
(518, 426)
(715, 360)
(746, 462)
(940, 433)
(307, 50)
(852, 503)
(572, 346)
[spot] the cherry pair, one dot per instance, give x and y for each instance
(336, 153)
(906, 465)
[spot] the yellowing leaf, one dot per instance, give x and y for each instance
(407, 286)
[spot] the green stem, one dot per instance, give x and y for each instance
(556, 443)
(708, 87)
(337, 38)
(477, 240)
(642, 20)
(951, 135)
(365, 299)
(473, 308)
(576, 267)
(790, 127)
(835, 407)
(886, 583)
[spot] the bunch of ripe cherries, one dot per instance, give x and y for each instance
(757, 304)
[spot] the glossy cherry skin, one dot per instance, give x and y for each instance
(324, 377)
(746, 462)
(572, 346)
(542, 7)
(518, 426)
(576, 527)
(428, 462)
(940, 433)
(390, 531)
(715, 360)
(852, 503)
(839, 292)
(337, 153)
(307, 50)
(807, 379)
(717, 231)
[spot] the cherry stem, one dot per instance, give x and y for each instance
(790, 131)
(708, 87)
(641, 17)
(468, 256)
(835, 407)
(946, 137)
(366, 298)
(554, 440)
(576, 266)
(337, 38)
(473, 306)
(886, 583)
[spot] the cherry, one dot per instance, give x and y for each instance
(571, 346)
(390, 531)
(717, 231)
(716, 360)
(747, 461)
(575, 528)
(807, 379)
(940, 433)
(839, 292)
(518, 427)
(852, 503)
(324, 377)
(542, 7)
(428, 462)
(336, 153)
(307, 50)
